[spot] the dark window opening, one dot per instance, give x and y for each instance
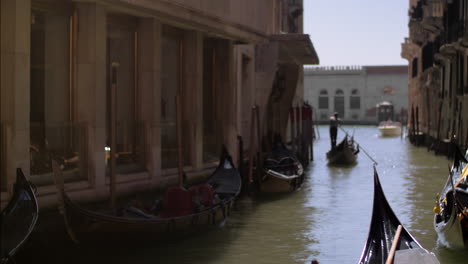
(428, 58)
(414, 68)
(323, 100)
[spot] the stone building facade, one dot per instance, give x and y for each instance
(63, 60)
(437, 52)
(355, 91)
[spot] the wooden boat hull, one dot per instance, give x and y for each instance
(390, 131)
(344, 153)
(85, 225)
(276, 185)
(283, 172)
(344, 157)
(130, 224)
(19, 217)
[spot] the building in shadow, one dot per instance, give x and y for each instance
(68, 66)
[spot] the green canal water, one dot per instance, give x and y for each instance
(327, 219)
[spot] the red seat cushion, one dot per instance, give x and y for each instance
(177, 202)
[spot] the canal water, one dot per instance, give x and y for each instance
(327, 219)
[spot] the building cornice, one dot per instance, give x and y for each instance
(182, 16)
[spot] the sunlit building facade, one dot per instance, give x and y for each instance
(437, 52)
(355, 92)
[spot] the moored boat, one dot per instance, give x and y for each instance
(282, 171)
(389, 129)
(19, 217)
(183, 211)
(450, 212)
(344, 153)
(388, 241)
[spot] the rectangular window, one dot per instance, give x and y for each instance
(171, 85)
(212, 72)
(122, 54)
(340, 105)
(52, 69)
(355, 102)
(323, 102)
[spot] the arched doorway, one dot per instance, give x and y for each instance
(339, 103)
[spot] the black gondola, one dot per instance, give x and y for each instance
(183, 211)
(450, 213)
(283, 172)
(344, 153)
(19, 217)
(384, 225)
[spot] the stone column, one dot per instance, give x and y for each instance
(15, 66)
(91, 86)
(149, 91)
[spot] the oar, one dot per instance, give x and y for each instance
(394, 245)
(59, 184)
(360, 147)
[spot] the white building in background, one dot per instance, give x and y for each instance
(355, 91)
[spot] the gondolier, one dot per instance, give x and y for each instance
(334, 122)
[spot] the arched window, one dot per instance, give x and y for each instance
(323, 99)
(355, 100)
(339, 102)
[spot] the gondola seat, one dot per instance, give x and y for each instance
(177, 202)
(202, 194)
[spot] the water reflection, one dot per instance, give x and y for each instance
(327, 219)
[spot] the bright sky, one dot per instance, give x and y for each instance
(360, 32)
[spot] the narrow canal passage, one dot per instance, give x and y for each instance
(327, 219)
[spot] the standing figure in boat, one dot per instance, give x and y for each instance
(334, 122)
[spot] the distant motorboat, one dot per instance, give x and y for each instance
(390, 129)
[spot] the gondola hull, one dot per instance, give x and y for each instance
(19, 217)
(343, 157)
(282, 171)
(450, 218)
(125, 225)
(450, 232)
(382, 235)
(276, 184)
(85, 225)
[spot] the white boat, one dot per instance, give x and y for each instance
(390, 129)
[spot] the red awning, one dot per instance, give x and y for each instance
(295, 48)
